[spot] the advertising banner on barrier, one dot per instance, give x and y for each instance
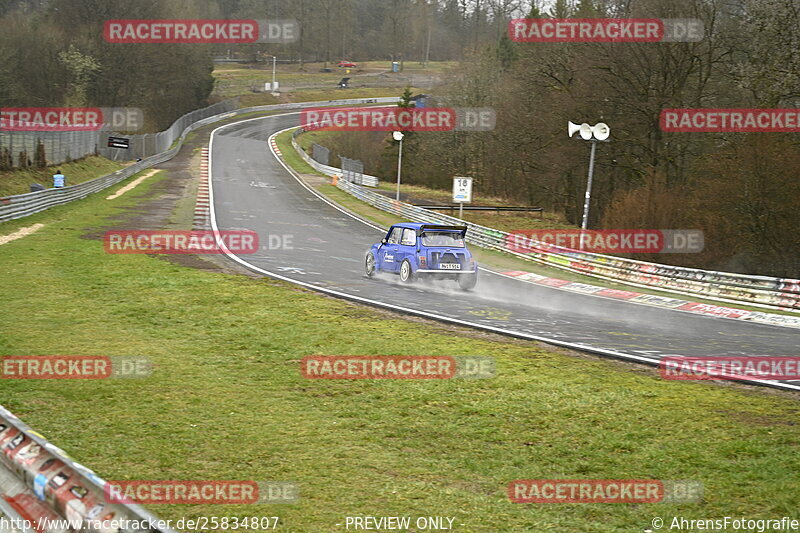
(53, 493)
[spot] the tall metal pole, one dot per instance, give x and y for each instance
(399, 163)
(587, 198)
(274, 59)
(585, 221)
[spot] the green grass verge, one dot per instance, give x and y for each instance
(503, 221)
(19, 181)
(232, 79)
(314, 95)
(290, 155)
(320, 136)
(227, 400)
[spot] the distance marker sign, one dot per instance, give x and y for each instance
(462, 189)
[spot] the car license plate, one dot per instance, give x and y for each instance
(449, 266)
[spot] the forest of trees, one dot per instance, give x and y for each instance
(53, 54)
(741, 189)
(399, 30)
(52, 51)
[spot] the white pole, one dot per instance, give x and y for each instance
(461, 210)
(274, 59)
(588, 196)
(399, 163)
(599, 132)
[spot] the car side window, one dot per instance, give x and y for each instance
(409, 237)
(394, 237)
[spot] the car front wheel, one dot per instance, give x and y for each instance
(369, 265)
(406, 274)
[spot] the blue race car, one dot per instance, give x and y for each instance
(414, 250)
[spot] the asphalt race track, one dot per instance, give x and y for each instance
(325, 248)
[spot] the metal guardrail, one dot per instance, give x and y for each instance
(759, 291)
(497, 208)
(39, 482)
(61, 146)
(149, 144)
(366, 179)
(22, 205)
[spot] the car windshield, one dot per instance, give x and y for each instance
(451, 239)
